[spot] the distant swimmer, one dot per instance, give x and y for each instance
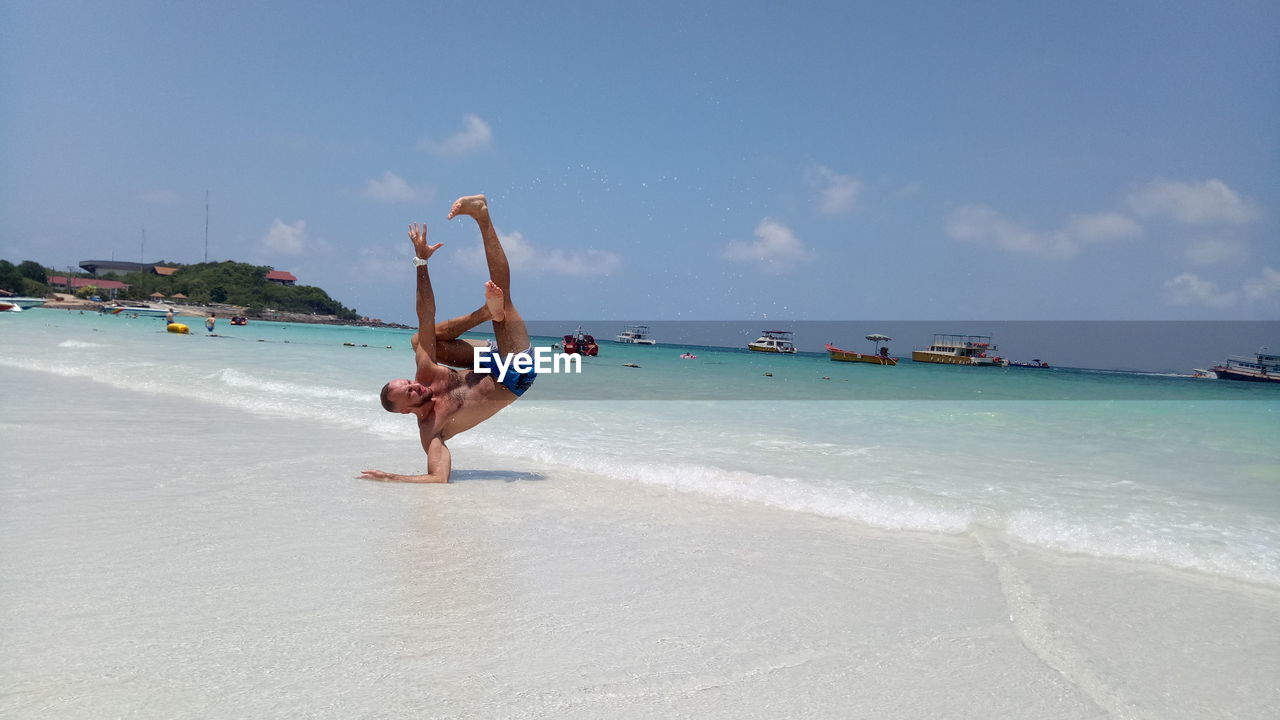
(445, 401)
(209, 323)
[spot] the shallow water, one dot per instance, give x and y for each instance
(183, 536)
(1188, 476)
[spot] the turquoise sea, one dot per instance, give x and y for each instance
(638, 520)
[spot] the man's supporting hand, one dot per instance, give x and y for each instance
(392, 477)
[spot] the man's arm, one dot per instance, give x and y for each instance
(426, 301)
(439, 465)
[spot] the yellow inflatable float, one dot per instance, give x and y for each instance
(178, 328)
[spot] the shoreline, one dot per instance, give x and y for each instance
(67, 302)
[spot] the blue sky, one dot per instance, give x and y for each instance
(671, 161)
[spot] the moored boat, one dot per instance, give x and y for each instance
(24, 303)
(136, 310)
(581, 343)
(1262, 367)
(635, 335)
(1035, 363)
(881, 357)
(960, 350)
(774, 341)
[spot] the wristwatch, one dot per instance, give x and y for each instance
(418, 262)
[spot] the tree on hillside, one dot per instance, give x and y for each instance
(10, 278)
(25, 278)
(34, 270)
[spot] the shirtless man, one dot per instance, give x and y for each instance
(445, 401)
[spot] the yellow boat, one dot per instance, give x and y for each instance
(960, 350)
(880, 358)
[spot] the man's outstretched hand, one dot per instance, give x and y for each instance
(418, 236)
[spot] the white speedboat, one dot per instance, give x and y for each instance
(774, 341)
(23, 302)
(138, 310)
(635, 335)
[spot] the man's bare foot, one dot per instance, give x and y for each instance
(495, 300)
(477, 206)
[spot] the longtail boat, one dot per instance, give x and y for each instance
(880, 358)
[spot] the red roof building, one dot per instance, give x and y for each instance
(77, 283)
(106, 287)
(281, 276)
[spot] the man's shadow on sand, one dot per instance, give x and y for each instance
(503, 475)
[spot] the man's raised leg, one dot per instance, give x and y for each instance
(477, 206)
(508, 326)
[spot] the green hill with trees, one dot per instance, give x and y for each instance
(231, 283)
(27, 278)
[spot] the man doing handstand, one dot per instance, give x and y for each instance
(445, 401)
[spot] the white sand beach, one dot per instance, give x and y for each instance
(199, 561)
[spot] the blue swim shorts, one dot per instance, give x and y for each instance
(514, 381)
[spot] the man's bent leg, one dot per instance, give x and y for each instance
(458, 353)
(510, 331)
(449, 349)
(512, 335)
(452, 329)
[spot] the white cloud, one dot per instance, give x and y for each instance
(160, 197)
(1215, 251)
(838, 193)
(524, 258)
(1190, 289)
(394, 189)
(776, 248)
(982, 225)
(475, 135)
(1101, 227)
(1259, 289)
(1208, 202)
(285, 238)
